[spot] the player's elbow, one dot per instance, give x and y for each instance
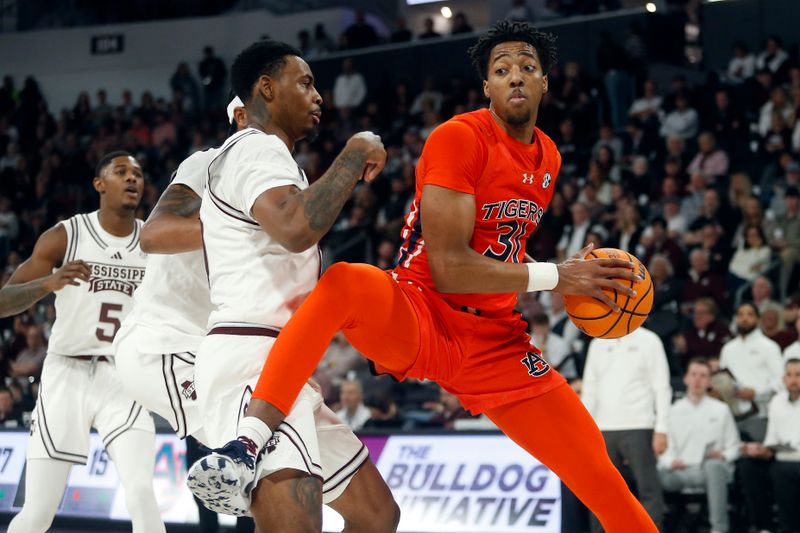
(148, 240)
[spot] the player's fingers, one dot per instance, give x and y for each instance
(608, 262)
(371, 172)
(603, 297)
(621, 273)
(583, 253)
(617, 286)
(75, 283)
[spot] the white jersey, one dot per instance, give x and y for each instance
(173, 303)
(89, 315)
(253, 279)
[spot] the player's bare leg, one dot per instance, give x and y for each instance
(367, 505)
(45, 481)
(288, 501)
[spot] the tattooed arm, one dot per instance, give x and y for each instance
(34, 279)
(298, 219)
(174, 225)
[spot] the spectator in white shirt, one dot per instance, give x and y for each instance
(353, 412)
(773, 57)
(777, 103)
(756, 364)
(648, 107)
(428, 94)
(682, 122)
(702, 443)
(574, 237)
(349, 89)
(554, 349)
(782, 444)
(742, 65)
(793, 350)
(627, 391)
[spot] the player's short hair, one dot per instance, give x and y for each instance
(507, 31)
(703, 361)
(106, 160)
(265, 57)
(791, 361)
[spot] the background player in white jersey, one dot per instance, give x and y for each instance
(79, 388)
(261, 222)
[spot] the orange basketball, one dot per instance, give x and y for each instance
(597, 319)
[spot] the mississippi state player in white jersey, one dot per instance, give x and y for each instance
(101, 267)
(260, 224)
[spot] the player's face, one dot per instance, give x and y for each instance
(746, 319)
(300, 103)
(515, 82)
(697, 379)
(121, 182)
(791, 378)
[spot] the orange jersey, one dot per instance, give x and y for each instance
(512, 183)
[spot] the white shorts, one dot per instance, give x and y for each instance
(76, 395)
(311, 439)
(162, 382)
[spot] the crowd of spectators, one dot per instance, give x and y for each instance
(700, 181)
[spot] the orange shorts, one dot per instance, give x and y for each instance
(486, 361)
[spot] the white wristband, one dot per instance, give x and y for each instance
(542, 276)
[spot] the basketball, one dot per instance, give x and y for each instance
(597, 319)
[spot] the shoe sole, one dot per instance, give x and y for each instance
(214, 481)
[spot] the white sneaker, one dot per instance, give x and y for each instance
(224, 479)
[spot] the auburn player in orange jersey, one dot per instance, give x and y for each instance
(445, 312)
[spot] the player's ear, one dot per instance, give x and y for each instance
(486, 88)
(99, 184)
(266, 86)
(545, 84)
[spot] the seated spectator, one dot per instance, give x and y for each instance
(783, 234)
(778, 103)
(761, 293)
(751, 258)
(773, 57)
(682, 122)
(28, 362)
(758, 471)
(430, 94)
(676, 222)
(554, 349)
(702, 443)
(10, 415)
(742, 65)
(793, 350)
(779, 186)
(349, 88)
(702, 283)
(628, 231)
(656, 241)
(647, 108)
(707, 334)
(756, 365)
(401, 33)
(429, 32)
(750, 213)
(714, 213)
(710, 240)
(360, 33)
(773, 326)
(352, 410)
(575, 233)
(559, 321)
(638, 142)
(460, 24)
(339, 360)
(385, 413)
(710, 161)
(609, 140)
(664, 318)
(777, 138)
(446, 411)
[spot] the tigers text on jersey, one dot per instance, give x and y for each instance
(512, 183)
(173, 303)
(89, 315)
(253, 279)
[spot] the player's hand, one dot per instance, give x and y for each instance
(588, 277)
(371, 146)
(659, 443)
(68, 274)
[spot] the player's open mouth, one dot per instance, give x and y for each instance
(132, 190)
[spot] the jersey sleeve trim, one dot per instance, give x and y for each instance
(71, 227)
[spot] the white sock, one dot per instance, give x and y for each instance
(255, 430)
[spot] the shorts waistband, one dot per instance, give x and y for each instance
(247, 331)
(102, 358)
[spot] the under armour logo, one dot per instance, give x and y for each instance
(117, 255)
(546, 180)
(527, 178)
(189, 390)
(535, 364)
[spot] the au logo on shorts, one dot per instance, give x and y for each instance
(535, 364)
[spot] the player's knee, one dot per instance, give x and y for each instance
(338, 276)
(380, 515)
